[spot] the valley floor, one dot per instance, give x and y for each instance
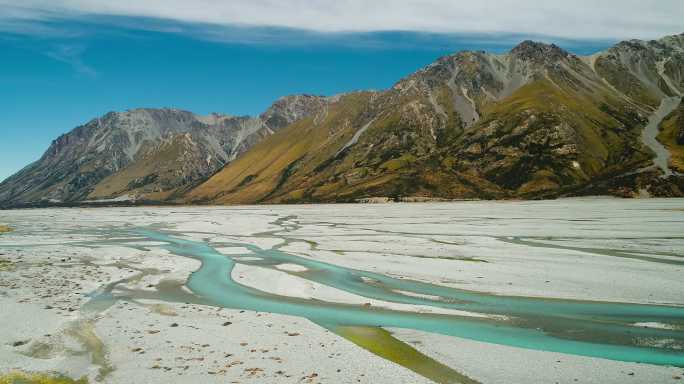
(109, 294)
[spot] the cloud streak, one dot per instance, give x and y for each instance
(578, 19)
(72, 55)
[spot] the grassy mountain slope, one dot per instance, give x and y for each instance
(536, 122)
(672, 137)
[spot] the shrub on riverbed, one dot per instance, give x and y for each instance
(17, 377)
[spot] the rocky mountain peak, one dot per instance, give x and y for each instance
(289, 109)
(214, 118)
(666, 45)
(537, 51)
(631, 46)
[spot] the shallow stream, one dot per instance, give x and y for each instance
(596, 329)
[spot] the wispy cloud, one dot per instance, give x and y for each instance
(72, 55)
(578, 19)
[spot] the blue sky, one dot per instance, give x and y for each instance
(61, 67)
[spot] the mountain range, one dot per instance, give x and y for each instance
(536, 122)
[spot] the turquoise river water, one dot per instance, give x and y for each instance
(596, 329)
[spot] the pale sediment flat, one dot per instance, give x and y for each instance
(156, 330)
(273, 281)
(501, 364)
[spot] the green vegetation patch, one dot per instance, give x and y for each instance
(17, 377)
(398, 163)
(381, 342)
(620, 78)
(672, 136)
(6, 265)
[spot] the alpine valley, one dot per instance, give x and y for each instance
(536, 122)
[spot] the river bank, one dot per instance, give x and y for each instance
(139, 320)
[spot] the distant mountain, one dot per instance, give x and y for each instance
(537, 122)
(151, 154)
